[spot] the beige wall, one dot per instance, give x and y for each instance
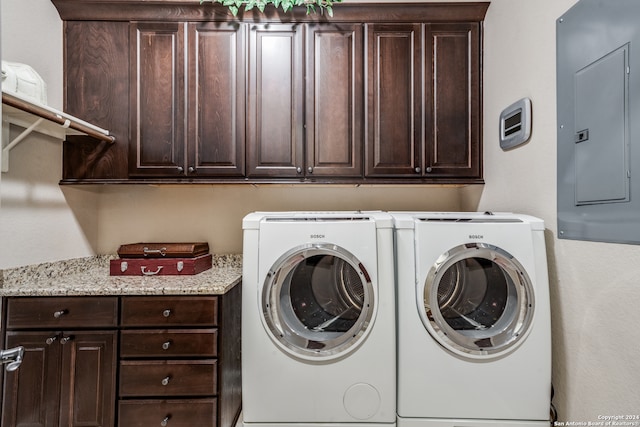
(36, 222)
(594, 286)
(214, 213)
(594, 289)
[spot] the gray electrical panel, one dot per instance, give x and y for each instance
(598, 93)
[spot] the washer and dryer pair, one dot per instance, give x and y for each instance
(365, 319)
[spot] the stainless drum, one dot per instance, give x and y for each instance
(317, 300)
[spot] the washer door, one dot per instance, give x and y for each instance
(477, 301)
(317, 302)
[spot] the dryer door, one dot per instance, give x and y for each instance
(317, 302)
(477, 301)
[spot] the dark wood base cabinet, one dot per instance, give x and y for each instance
(68, 374)
(379, 93)
(123, 361)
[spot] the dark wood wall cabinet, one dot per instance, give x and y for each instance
(124, 361)
(380, 93)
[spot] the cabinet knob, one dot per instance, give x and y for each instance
(51, 340)
(166, 345)
(417, 169)
(58, 314)
(180, 169)
(166, 313)
(429, 169)
(165, 421)
(310, 169)
(192, 169)
(165, 380)
(299, 169)
(66, 339)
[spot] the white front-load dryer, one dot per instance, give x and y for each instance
(318, 319)
(474, 337)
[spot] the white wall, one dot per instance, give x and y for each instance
(595, 295)
(36, 222)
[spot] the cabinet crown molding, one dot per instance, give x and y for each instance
(192, 10)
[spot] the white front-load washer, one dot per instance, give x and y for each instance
(318, 319)
(474, 334)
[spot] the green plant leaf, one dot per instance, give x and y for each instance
(312, 6)
(287, 5)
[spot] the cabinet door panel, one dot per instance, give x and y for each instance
(275, 139)
(217, 99)
(334, 103)
(394, 106)
(453, 100)
(96, 84)
(31, 393)
(87, 396)
(157, 99)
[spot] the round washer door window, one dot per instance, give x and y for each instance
(317, 302)
(477, 301)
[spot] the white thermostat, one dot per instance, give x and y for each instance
(515, 124)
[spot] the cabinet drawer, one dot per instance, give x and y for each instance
(61, 312)
(169, 311)
(168, 378)
(173, 413)
(169, 343)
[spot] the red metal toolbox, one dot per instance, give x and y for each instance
(163, 250)
(160, 266)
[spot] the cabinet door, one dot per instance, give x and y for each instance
(31, 393)
(275, 110)
(334, 100)
(96, 89)
(157, 93)
(87, 390)
(216, 131)
(394, 109)
(453, 94)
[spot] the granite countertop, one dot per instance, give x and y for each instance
(90, 276)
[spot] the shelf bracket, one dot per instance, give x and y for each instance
(18, 139)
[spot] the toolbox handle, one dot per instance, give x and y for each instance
(150, 273)
(161, 251)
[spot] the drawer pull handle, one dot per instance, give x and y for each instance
(166, 345)
(165, 421)
(150, 273)
(51, 340)
(58, 314)
(66, 339)
(165, 380)
(166, 313)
